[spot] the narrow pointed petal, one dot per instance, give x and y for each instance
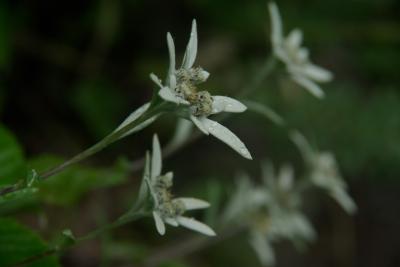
(141, 126)
(317, 73)
(167, 94)
(226, 136)
(263, 249)
(172, 222)
(294, 39)
(148, 179)
(193, 203)
(227, 104)
(303, 145)
(195, 225)
(159, 223)
(276, 25)
(309, 85)
(191, 49)
(286, 177)
(344, 200)
(172, 82)
(133, 116)
(171, 50)
(156, 158)
(199, 124)
(155, 79)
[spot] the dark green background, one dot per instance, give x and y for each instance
(70, 71)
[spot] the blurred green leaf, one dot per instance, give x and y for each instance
(68, 186)
(12, 163)
(15, 200)
(18, 243)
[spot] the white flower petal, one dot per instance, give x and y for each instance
(195, 225)
(172, 222)
(199, 124)
(263, 249)
(183, 131)
(172, 82)
(317, 73)
(294, 39)
(155, 79)
(285, 180)
(170, 176)
(193, 203)
(159, 223)
(148, 179)
(203, 75)
(344, 200)
(312, 87)
(171, 50)
(276, 25)
(303, 145)
(141, 126)
(227, 104)
(191, 49)
(168, 95)
(133, 116)
(303, 54)
(226, 136)
(156, 158)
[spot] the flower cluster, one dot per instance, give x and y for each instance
(271, 211)
(325, 172)
(166, 208)
(296, 58)
(182, 88)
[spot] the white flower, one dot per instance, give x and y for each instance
(289, 51)
(182, 88)
(286, 220)
(166, 208)
(325, 172)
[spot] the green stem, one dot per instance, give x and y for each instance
(50, 252)
(111, 138)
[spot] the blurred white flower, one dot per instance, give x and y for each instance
(325, 172)
(285, 217)
(289, 51)
(271, 211)
(168, 209)
(182, 88)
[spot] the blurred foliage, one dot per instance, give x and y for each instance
(12, 162)
(18, 243)
(68, 186)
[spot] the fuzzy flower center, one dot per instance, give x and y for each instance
(187, 81)
(167, 205)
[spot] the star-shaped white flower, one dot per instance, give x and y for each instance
(166, 208)
(289, 51)
(325, 172)
(182, 88)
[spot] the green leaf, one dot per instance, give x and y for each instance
(18, 199)
(18, 243)
(68, 186)
(12, 163)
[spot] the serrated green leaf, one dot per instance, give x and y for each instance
(68, 186)
(12, 163)
(18, 243)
